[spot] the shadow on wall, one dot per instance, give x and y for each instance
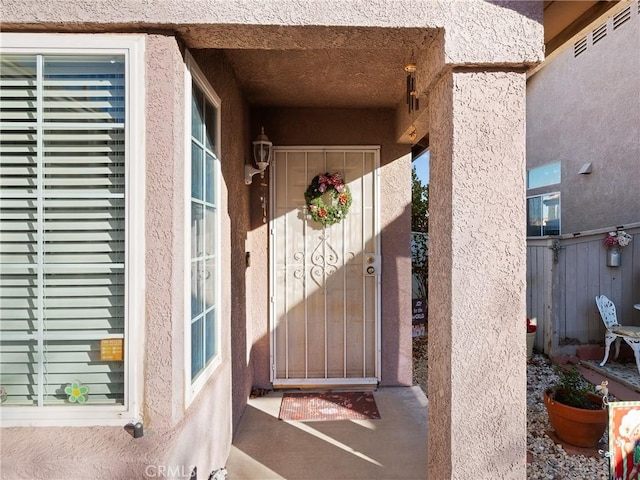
(396, 333)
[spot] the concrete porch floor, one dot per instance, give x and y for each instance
(393, 447)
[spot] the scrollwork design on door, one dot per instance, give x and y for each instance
(298, 273)
(324, 261)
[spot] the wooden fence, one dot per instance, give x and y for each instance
(564, 275)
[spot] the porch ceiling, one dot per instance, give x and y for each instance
(313, 66)
(314, 78)
(356, 67)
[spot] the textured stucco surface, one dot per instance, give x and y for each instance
(308, 126)
(164, 211)
(477, 134)
(477, 384)
(174, 436)
(478, 31)
(235, 146)
(299, 52)
(594, 118)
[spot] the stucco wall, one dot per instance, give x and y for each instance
(477, 277)
(175, 437)
(477, 31)
(305, 126)
(235, 150)
(480, 33)
(586, 109)
(192, 444)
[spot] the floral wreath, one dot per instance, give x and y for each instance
(340, 194)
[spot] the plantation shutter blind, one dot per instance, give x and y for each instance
(62, 226)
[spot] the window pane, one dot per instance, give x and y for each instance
(543, 215)
(197, 113)
(209, 180)
(70, 361)
(534, 217)
(197, 350)
(203, 230)
(210, 283)
(81, 227)
(209, 234)
(86, 301)
(19, 372)
(543, 176)
(18, 302)
(91, 161)
(211, 128)
(196, 171)
(197, 288)
(18, 161)
(551, 214)
(197, 230)
(18, 231)
(81, 230)
(210, 335)
(18, 88)
(86, 89)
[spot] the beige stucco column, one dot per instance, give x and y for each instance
(477, 366)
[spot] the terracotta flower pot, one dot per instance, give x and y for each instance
(577, 426)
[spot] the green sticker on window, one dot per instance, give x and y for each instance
(77, 392)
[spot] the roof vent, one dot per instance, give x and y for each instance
(599, 33)
(580, 46)
(621, 17)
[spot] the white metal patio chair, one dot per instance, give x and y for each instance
(615, 331)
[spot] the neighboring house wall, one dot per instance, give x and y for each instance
(561, 294)
(582, 108)
(585, 109)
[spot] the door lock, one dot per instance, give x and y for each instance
(372, 264)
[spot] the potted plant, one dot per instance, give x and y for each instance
(531, 337)
(577, 412)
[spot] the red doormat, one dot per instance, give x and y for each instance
(328, 406)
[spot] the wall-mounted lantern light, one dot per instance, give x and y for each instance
(262, 151)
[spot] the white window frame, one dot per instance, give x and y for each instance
(132, 46)
(193, 73)
(540, 195)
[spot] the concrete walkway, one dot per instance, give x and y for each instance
(391, 448)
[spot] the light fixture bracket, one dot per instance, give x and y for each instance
(249, 172)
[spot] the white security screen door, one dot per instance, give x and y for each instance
(325, 279)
